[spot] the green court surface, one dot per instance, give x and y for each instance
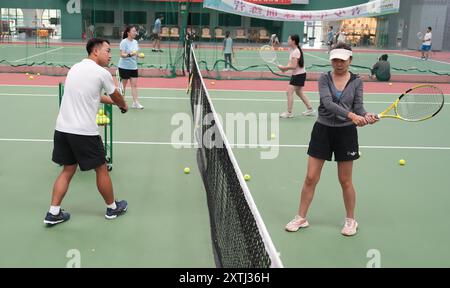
(246, 60)
(167, 223)
(402, 210)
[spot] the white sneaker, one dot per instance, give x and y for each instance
(309, 112)
(296, 223)
(137, 105)
(350, 227)
(286, 115)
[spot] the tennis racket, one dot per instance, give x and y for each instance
(120, 88)
(419, 35)
(268, 54)
(417, 104)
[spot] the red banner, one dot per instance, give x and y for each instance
(270, 2)
(267, 2)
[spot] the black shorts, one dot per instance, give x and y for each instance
(127, 74)
(86, 151)
(155, 36)
(342, 141)
(298, 80)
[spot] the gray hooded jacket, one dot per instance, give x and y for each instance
(333, 111)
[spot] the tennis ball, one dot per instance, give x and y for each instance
(212, 82)
(141, 55)
(31, 77)
(101, 112)
(247, 177)
(187, 170)
(272, 136)
(402, 162)
(390, 84)
(38, 74)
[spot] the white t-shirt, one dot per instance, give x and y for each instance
(427, 39)
(341, 37)
(295, 53)
(81, 99)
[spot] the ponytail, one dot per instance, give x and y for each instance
(301, 61)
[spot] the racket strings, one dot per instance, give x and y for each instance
(267, 53)
(420, 103)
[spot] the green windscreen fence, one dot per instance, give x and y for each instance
(49, 41)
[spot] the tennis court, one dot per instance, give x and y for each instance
(246, 164)
(210, 57)
(401, 209)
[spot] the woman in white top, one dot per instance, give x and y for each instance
(128, 69)
(297, 65)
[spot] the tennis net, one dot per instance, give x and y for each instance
(239, 236)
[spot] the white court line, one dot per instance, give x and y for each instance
(323, 59)
(184, 89)
(233, 145)
(414, 57)
(56, 49)
(187, 98)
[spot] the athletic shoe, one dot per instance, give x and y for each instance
(121, 208)
(296, 223)
(286, 115)
(350, 227)
(51, 219)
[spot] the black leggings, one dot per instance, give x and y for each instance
(227, 60)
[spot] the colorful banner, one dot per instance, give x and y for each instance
(270, 2)
(244, 8)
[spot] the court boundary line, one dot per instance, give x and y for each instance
(209, 89)
(442, 62)
(39, 54)
(215, 98)
(193, 145)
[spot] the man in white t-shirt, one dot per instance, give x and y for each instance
(426, 44)
(76, 140)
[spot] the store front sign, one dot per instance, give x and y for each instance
(244, 8)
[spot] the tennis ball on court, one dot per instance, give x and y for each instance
(272, 136)
(402, 162)
(38, 74)
(101, 112)
(390, 83)
(27, 73)
(141, 55)
(212, 82)
(247, 177)
(187, 170)
(31, 77)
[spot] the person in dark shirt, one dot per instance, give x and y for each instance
(381, 69)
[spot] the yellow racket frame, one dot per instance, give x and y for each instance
(394, 106)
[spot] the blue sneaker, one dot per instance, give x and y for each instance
(122, 207)
(51, 219)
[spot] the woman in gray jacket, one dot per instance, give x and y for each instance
(341, 110)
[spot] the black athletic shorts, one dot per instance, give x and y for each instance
(86, 151)
(298, 80)
(127, 74)
(342, 141)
